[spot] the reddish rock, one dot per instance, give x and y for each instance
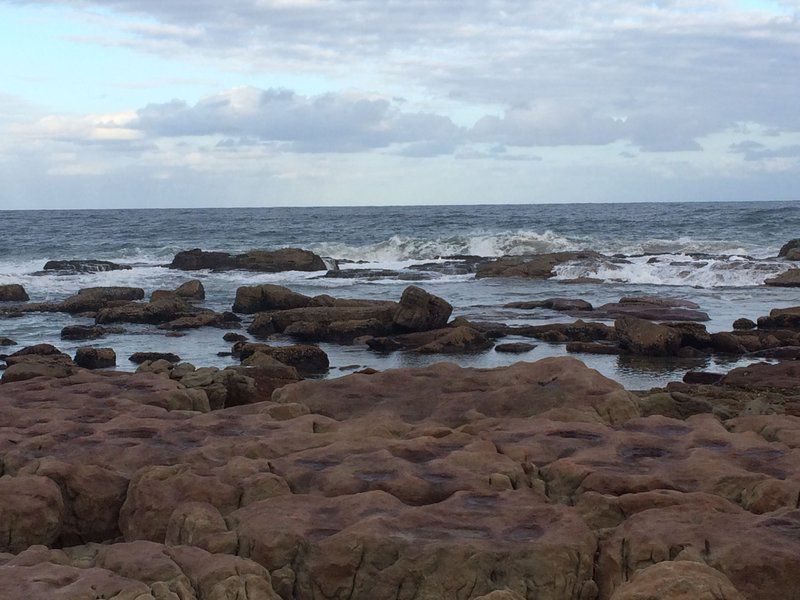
(421, 311)
(643, 337)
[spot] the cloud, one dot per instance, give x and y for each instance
(327, 123)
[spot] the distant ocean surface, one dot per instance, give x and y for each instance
(717, 254)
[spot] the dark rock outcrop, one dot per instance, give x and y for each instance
(420, 311)
(264, 261)
(514, 348)
(790, 278)
(83, 266)
(95, 358)
(640, 336)
(539, 266)
(13, 292)
(93, 299)
(138, 358)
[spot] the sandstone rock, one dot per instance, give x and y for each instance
(83, 332)
(31, 512)
(224, 320)
(340, 332)
(449, 340)
(5, 342)
(232, 336)
(154, 313)
(781, 318)
(258, 298)
(95, 358)
(420, 311)
(790, 278)
(92, 299)
(579, 331)
(702, 377)
(790, 245)
(521, 390)
(652, 308)
(514, 348)
(593, 348)
(678, 580)
(285, 259)
(42, 360)
(140, 357)
(643, 337)
(558, 304)
(200, 525)
(743, 324)
(726, 343)
(13, 292)
(83, 266)
(304, 358)
(191, 290)
(538, 266)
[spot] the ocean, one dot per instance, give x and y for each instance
(716, 254)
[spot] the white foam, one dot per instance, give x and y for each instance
(735, 271)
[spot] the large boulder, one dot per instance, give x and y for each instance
(788, 247)
(304, 358)
(13, 292)
(678, 580)
(420, 311)
(265, 261)
(538, 266)
(84, 266)
(41, 360)
(639, 336)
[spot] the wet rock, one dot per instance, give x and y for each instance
(781, 318)
(286, 259)
(579, 331)
(514, 347)
(593, 348)
(154, 313)
(558, 304)
(743, 324)
(83, 332)
(702, 377)
(304, 358)
(224, 320)
(790, 278)
(95, 358)
(191, 290)
(83, 266)
(419, 310)
(761, 376)
(232, 336)
(789, 246)
(13, 292)
(4, 342)
(539, 266)
(93, 299)
(140, 357)
(448, 340)
(693, 335)
(652, 308)
(340, 332)
(259, 298)
(726, 343)
(643, 337)
(41, 360)
(276, 322)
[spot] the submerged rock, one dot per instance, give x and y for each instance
(514, 348)
(84, 266)
(140, 357)
(539, 266)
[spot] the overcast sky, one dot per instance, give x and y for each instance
(145, 103)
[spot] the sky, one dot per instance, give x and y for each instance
(158, 103)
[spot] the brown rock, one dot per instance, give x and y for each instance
(678, 580)
(203, 319)
(304, 358)
(558, 304)
(539, 266)
(161, 311)
(31, 512)
(232, 336)
(743, 324)
(788, 246)
(140, 357)
(83, 332)
(514, 348)
(420, 311)
(95, 358)
(790, 278)
(593, 348)
(83, 266)
(259, 298)
(191, 290)
(92, 299)
(13, 292)
(285, 259)
(4, 342)
(643, 337)
(449, 340)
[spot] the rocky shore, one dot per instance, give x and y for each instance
(266, 480)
